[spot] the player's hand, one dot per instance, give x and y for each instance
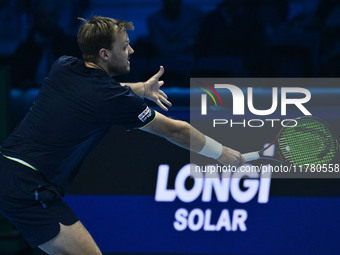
(153, 92)
(231, 157)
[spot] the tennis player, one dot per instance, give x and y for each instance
(77, 104)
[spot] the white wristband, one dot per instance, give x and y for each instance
(211, 148)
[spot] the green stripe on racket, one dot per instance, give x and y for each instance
(310, 141)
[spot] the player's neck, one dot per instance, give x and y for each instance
(95, 66)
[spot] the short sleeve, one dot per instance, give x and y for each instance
(119, 105)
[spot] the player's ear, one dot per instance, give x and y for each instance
(103, 54)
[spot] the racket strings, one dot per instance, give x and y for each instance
(310, 142)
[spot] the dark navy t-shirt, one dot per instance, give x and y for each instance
(75, 108)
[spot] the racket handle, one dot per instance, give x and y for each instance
(251, 156)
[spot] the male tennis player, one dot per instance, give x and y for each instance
(75, 108)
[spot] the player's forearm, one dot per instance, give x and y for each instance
(190, 138)
(177, 132)
(137, 87)
(186, 136)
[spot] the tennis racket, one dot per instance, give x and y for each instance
(310, 141)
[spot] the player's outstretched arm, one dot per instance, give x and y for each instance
(179, 132)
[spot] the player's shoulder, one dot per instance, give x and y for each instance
(67, 60)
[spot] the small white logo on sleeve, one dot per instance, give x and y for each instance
(145, 114)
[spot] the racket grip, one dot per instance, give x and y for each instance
(251, 156)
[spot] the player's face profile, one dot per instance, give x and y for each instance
(119, 56)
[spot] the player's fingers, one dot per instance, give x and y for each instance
(165, 100)
(162, 93)
(159, 103)
(159, 73)
(161, 100)
(235, 163)
(242, 160)
(238, 159)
